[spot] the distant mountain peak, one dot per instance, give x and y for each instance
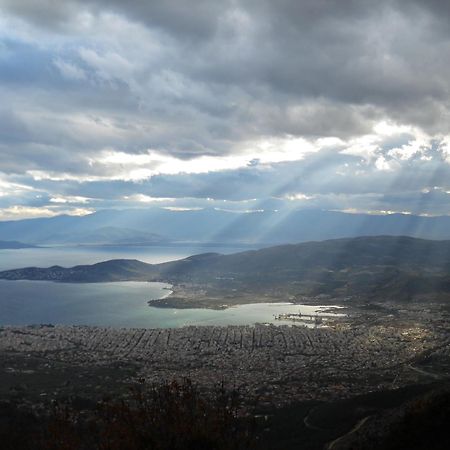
(154, 226)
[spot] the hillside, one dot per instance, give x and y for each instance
(384, 267)
(113, 270)
(14, 245)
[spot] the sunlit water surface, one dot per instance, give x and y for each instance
(117, 304)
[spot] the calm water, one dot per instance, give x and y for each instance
(118, 304)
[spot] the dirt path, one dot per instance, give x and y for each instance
(331, 445)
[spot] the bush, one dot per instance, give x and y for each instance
(172, 416)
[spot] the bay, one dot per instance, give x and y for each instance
(116, 304)
(122, 304)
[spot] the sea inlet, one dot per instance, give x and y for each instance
(125, 304)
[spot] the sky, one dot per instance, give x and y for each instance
(234, 104)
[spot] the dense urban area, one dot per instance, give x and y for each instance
(273, 365)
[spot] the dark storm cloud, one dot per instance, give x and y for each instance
(184, 18)
(386, 54)
(83, 79)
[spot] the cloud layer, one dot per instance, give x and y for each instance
(326, 104)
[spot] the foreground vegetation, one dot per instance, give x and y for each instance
(177, 416)
(172, 416)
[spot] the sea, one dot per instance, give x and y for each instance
(117, 304)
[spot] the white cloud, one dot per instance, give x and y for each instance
(142, 198)
(9, 188)
(69, 70)
(69, 199)
(382, 164)
(22, 212)
(181, 208)
(109, 66)
(298, 196)
(126, 166)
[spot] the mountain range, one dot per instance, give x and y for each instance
(262, 228)
(14, 245)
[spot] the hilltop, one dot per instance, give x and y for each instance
(400, 268)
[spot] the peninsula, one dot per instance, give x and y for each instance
(355, 271)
